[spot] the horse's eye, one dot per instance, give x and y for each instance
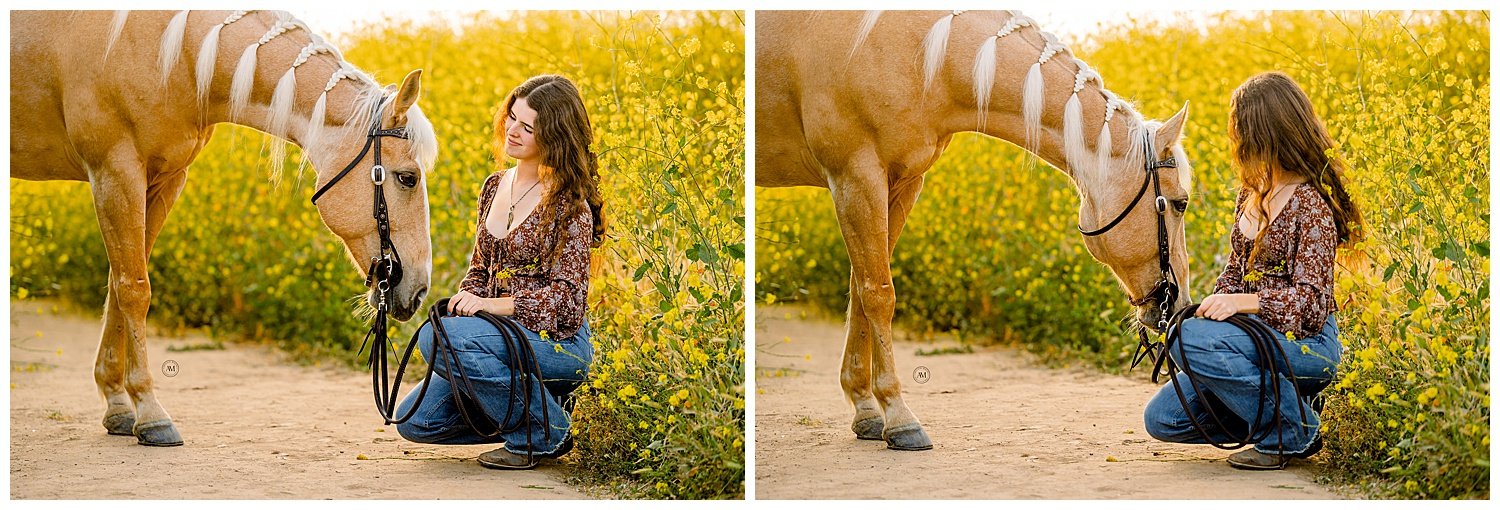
(407, 179)
(1180, 205)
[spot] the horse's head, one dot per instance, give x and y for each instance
(348, 207)
(1131, 247)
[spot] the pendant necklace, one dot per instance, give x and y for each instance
(511, 215)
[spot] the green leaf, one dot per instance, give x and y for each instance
(641, 271)
(705, 253)
(736, 250)
(1389, 270)
(1453, 252)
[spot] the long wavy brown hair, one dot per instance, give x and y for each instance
(1272, 124)
(564, 134)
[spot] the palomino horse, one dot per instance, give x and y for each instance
(126, 100)
(863, 104)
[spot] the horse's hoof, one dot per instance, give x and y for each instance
(158, 433)
(120, 424)
(869, 428)
(910, 439)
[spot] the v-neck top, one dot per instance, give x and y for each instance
(1293, 276)
(550, 297)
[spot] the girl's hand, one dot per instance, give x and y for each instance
(465, 304)
(1221, 306)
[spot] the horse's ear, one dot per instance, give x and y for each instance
(1169, 132)
(411, 89)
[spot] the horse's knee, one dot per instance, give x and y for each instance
(877, 299)
(132, 294)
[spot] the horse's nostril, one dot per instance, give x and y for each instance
(416, 301)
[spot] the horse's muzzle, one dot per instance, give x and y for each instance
(404, 311)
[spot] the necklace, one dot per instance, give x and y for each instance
(511, 215)
(1282, 189)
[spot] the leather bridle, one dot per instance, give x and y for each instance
(385, 271)
(1165, 292)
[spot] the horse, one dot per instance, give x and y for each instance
(126, 100)
(864, 104)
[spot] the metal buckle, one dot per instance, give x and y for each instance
(1161, 204)
(377, 174)
(1170, 162)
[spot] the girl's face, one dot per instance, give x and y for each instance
(520, 136)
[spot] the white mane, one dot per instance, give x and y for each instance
(116, 26)
(865, 26)
(1076, 150)
(282, 110)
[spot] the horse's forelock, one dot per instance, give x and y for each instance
(423, 139)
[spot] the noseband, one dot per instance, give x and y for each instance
(1165, 291)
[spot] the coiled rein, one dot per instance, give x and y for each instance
(1267, 348)
(520, 358)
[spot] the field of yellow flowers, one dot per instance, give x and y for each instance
(991, 250)
(663, 415)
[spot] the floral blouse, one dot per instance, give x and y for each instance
(549, 297)
(1294, 275)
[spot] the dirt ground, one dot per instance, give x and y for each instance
(1002, 426)
(255, 427)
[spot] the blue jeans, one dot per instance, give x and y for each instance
(1223, 357)
(480, 351)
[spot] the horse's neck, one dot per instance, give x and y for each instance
(275, 54)
(1002, 116)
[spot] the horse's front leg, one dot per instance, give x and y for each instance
(120, 201)
(862, 198)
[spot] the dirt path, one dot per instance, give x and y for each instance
(254, 426)
(1003, 428)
